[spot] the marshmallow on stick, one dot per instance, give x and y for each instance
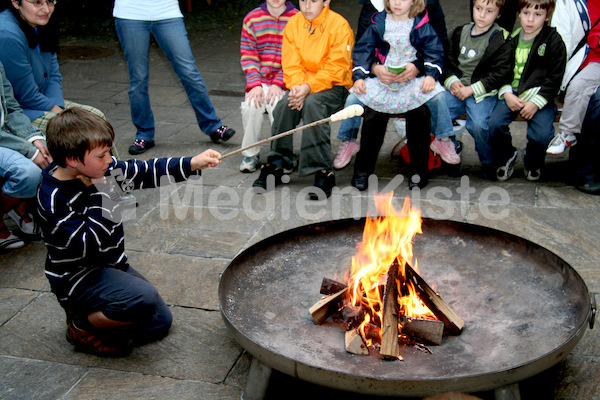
(348, 112)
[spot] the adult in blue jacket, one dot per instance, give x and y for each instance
(28, 45)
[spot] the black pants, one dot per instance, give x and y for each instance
(418, 127)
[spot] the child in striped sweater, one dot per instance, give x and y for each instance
(260, 48)
(109, 305)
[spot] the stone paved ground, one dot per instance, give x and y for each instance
(183, 254)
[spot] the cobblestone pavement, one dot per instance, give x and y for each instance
(182, 248)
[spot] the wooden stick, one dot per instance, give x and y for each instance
(355, 343)
(323, 308)
(452, 321)
(330, 286)
(390, 349)
(348, 112)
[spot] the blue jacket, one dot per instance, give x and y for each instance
(371, 48)
(34, 74)
(16, 131)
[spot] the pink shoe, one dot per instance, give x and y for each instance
(345, 152)
(445, 148)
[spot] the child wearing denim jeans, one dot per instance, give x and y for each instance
(537, 66)
(475, 68)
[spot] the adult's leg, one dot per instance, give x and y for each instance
(540, 130)
(135, 41)
(21, 176)
(375, 123)
(315, 151)
(171, 36)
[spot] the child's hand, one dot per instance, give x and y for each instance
(455, 87)
(297, 95)
(386, 77)
(529, 110)
(411, 72)
(464, 92)
(255, 97)
(274, 94)
(428, 84)
(359, 86)
(208, 158)
(513, 102)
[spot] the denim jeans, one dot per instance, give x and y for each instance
(171, 36)
(540, 130)
(478, 115)
(441, 123)
(19, 176)
(350, 126)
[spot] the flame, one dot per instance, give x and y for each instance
(385, 239)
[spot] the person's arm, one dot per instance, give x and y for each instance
(15, 55)
(430, 51)
(250, 58)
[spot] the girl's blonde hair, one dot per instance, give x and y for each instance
(417, 8)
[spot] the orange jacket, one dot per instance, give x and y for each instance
(317, 52)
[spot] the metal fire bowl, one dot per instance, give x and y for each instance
(524, 308)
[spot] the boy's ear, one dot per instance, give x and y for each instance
(72, 162)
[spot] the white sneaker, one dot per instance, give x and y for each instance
(29, 228)
(533, 175)
(11, 242)
(249, 164)
(561, 142)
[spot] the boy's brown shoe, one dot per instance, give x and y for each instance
(92, 343)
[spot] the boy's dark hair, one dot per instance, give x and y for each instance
(499, 3)
(76, 131)
(547, 5)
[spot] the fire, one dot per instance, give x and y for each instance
(385, 239)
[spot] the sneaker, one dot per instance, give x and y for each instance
(446, 149)
(561, 142)
(28, 228)
(265, 172)
(223, 133)
(324, 180)
(249, 164)
(140, 146)
(11, 242)
(92, 343)
(347, 149)
(533, 175)
(360, 180)
(506, 171)
(289, 168)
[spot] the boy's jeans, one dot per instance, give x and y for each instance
(478, 115)
(540, 130)
(171, 36)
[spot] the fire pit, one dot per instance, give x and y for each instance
(524, 310)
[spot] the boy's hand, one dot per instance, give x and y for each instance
(255, 97)
(208, 158)
(464, 92)
(513, 102)
(428, 84)
(529, 110)
(359, 86)
(274, 94)
(455, 87)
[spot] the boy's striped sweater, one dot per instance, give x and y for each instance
(260, 46)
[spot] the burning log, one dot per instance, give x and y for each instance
(390, 349)
(452, 322)
(425, 329)
(329, 286)
(325, 307)
(355, 343)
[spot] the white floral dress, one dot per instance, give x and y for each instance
(397, 98)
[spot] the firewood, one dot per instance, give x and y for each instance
(426, 329)
(325, 307)
(452, 321)
(390, 349)
(329, 286)
(355, 343)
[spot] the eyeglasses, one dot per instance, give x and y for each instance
(40, 3)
